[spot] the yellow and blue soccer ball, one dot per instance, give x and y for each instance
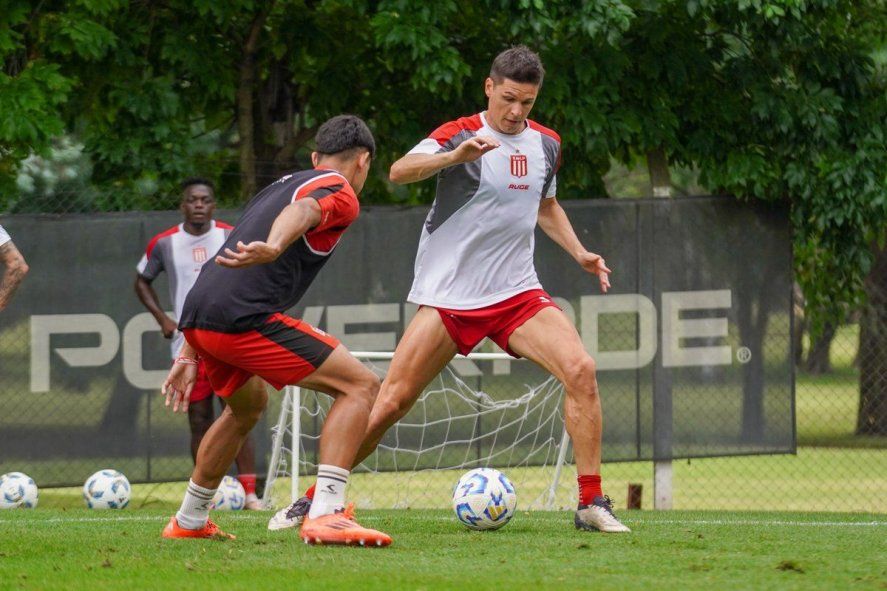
(17, 491)
(106, 489)
(484, 499)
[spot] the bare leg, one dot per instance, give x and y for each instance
(354, 388)
(551, 340)
(246, 457)
(224, 439)
(424, 350)
(200, 419)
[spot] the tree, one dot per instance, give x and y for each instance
(776, 100)
(32, 91)
(872, 416)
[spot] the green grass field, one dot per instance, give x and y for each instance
(77, 549)
(826, 529)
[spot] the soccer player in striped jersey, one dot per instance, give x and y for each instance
(233, 319)
(15, 268)
(474, 272)
(182, 251)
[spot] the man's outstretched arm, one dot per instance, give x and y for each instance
(16, 269)
(418, 167)
(554, 221)
(295, 219)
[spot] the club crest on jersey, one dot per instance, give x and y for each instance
(199, 254)
(518, 165)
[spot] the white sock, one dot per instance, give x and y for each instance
(195, 507)
(329, 493)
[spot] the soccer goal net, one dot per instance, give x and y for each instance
(483, 410)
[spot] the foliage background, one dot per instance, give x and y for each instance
(106, 105)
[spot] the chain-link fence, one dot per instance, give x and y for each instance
(694, 354)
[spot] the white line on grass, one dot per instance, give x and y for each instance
(247, 517)
(759, 522)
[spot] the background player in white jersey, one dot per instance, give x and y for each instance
(474, 272)
(14, 268)
(182, 251)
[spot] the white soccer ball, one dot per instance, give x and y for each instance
(106, 489)
(484, 498)
(230, 496)
(17, 490)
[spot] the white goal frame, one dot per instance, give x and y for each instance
(289, 414)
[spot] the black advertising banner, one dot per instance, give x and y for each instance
(692, 343)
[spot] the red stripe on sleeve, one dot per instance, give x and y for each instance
(327, 180)
(223, 225)
(544, 130)
(552, 134)
(446, 131)
(154, 240)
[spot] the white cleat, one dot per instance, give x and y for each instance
(599, 517)
(291, 516)
(253, 503)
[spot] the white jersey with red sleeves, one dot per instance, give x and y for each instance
(4, 236)
(181, 255)
(477, 245)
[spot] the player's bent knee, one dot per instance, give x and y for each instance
(582, 374)
(199, 427)
(247, 414)
(367, 388)
(395, 403)
(362, 391)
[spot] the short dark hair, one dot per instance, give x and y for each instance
(343, 133)
(519, 63)
(196, 180)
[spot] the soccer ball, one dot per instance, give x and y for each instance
(106, 489)
(230, 496)
(17, 490)
(484, 499)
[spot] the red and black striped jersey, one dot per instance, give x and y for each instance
(237, 300)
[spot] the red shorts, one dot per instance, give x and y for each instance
(202, 389)
(469, 327)
(283, 351)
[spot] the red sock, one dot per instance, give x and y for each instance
(589, 488)
(249, 483)
(310, 492)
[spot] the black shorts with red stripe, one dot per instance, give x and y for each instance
(282, 351)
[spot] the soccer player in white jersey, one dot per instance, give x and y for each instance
(474, 273)
(182, 251)
(15, 268)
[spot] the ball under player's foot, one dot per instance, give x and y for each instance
(291, 516)
(208, 531)
(341, 528)
(599, 516)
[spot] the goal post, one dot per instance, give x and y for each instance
(483, 410)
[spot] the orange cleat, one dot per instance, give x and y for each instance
(209, 531)
(341, 528)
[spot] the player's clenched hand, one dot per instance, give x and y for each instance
(594, 263)
(247, 255)
(473, 148)
(178, 385)
(168, 327)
